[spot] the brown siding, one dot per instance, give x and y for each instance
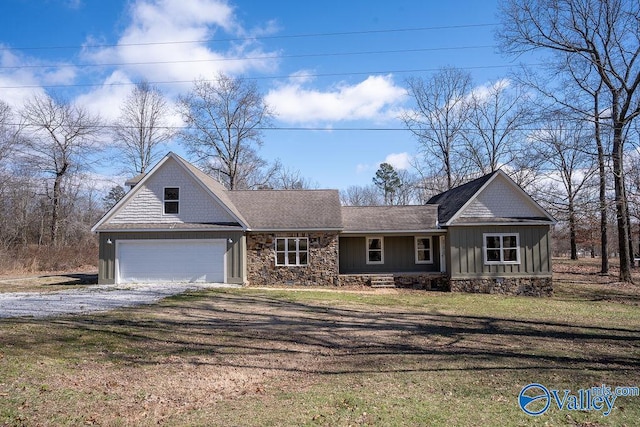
(467, 256)
(235, 251)
(399, 256)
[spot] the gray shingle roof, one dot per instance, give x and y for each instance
(389, 218)
(289, 209)
(450, 202)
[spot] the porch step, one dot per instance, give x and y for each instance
(383, 281)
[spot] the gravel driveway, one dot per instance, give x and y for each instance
(92, 298)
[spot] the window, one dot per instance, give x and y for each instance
(423, 250)
(502, 248)
(292, 251)
(171, 200)
(375, 250)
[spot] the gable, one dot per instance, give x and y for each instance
(145, 204)
(500, 198)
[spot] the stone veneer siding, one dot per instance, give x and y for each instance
(430, 282)
(525, 286)
(321, 270)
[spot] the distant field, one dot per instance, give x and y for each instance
(286, 357)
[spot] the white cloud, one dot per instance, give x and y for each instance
(190, 23)
(399, 161)
(375, 98)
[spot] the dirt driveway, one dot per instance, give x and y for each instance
(92, 298)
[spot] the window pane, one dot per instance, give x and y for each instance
(423, 256)
(279, 244)
(303, 258)
(171, 207)
(280, 258)
(291, 245)
(424, 243)
(171, 193)
(375, 244)
(510, 255)
(375, 256)
(493, 255)
(292, 258)
(509, 241)
(493, 241)
(303, 244)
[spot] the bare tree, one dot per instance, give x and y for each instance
(440, 115)
(358, 195)
(599, 35)
(224, 121)
(8, 131)
(290, 179)
(497, 113)
(59, 138)
(142, 127)
(570, 166)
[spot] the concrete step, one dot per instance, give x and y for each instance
(383, 281)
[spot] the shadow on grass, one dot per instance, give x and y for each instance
(264, 332)
(74, 279)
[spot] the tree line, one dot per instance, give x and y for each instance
(564, 130)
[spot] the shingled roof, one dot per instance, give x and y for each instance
(379, 219)
(450, 202)
(289, 209)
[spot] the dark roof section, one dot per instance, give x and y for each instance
(450, 202)
(377, 219)
(289, 209)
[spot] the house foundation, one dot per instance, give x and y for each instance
(523, 286)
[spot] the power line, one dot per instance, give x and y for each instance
(299, 76)
(290, 36)
(247, 58)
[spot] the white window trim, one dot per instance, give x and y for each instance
(415, 246)
(502, 248)
(164, 200)
(367, 240)
(286, 251)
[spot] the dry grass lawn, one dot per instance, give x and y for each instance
(266, 357)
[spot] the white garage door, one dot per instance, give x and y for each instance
(141, 261)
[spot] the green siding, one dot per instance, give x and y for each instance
(466, 255)
(399, 256)
(236, 268)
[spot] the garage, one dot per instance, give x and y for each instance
(190, 260)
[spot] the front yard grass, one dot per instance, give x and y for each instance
(252, 357)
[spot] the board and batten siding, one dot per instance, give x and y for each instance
(236, 268)
(399, 255)
(466, 258)
(195, 204)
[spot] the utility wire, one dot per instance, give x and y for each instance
(300, 76)
(290, 36)
(247, 58)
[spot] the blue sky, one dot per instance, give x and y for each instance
(330, 65)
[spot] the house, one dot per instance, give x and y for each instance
(179, 224)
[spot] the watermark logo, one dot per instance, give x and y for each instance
(535, 399)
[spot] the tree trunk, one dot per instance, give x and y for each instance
(572, 231)
(621, 204)
(604, 243)
(54, 209)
